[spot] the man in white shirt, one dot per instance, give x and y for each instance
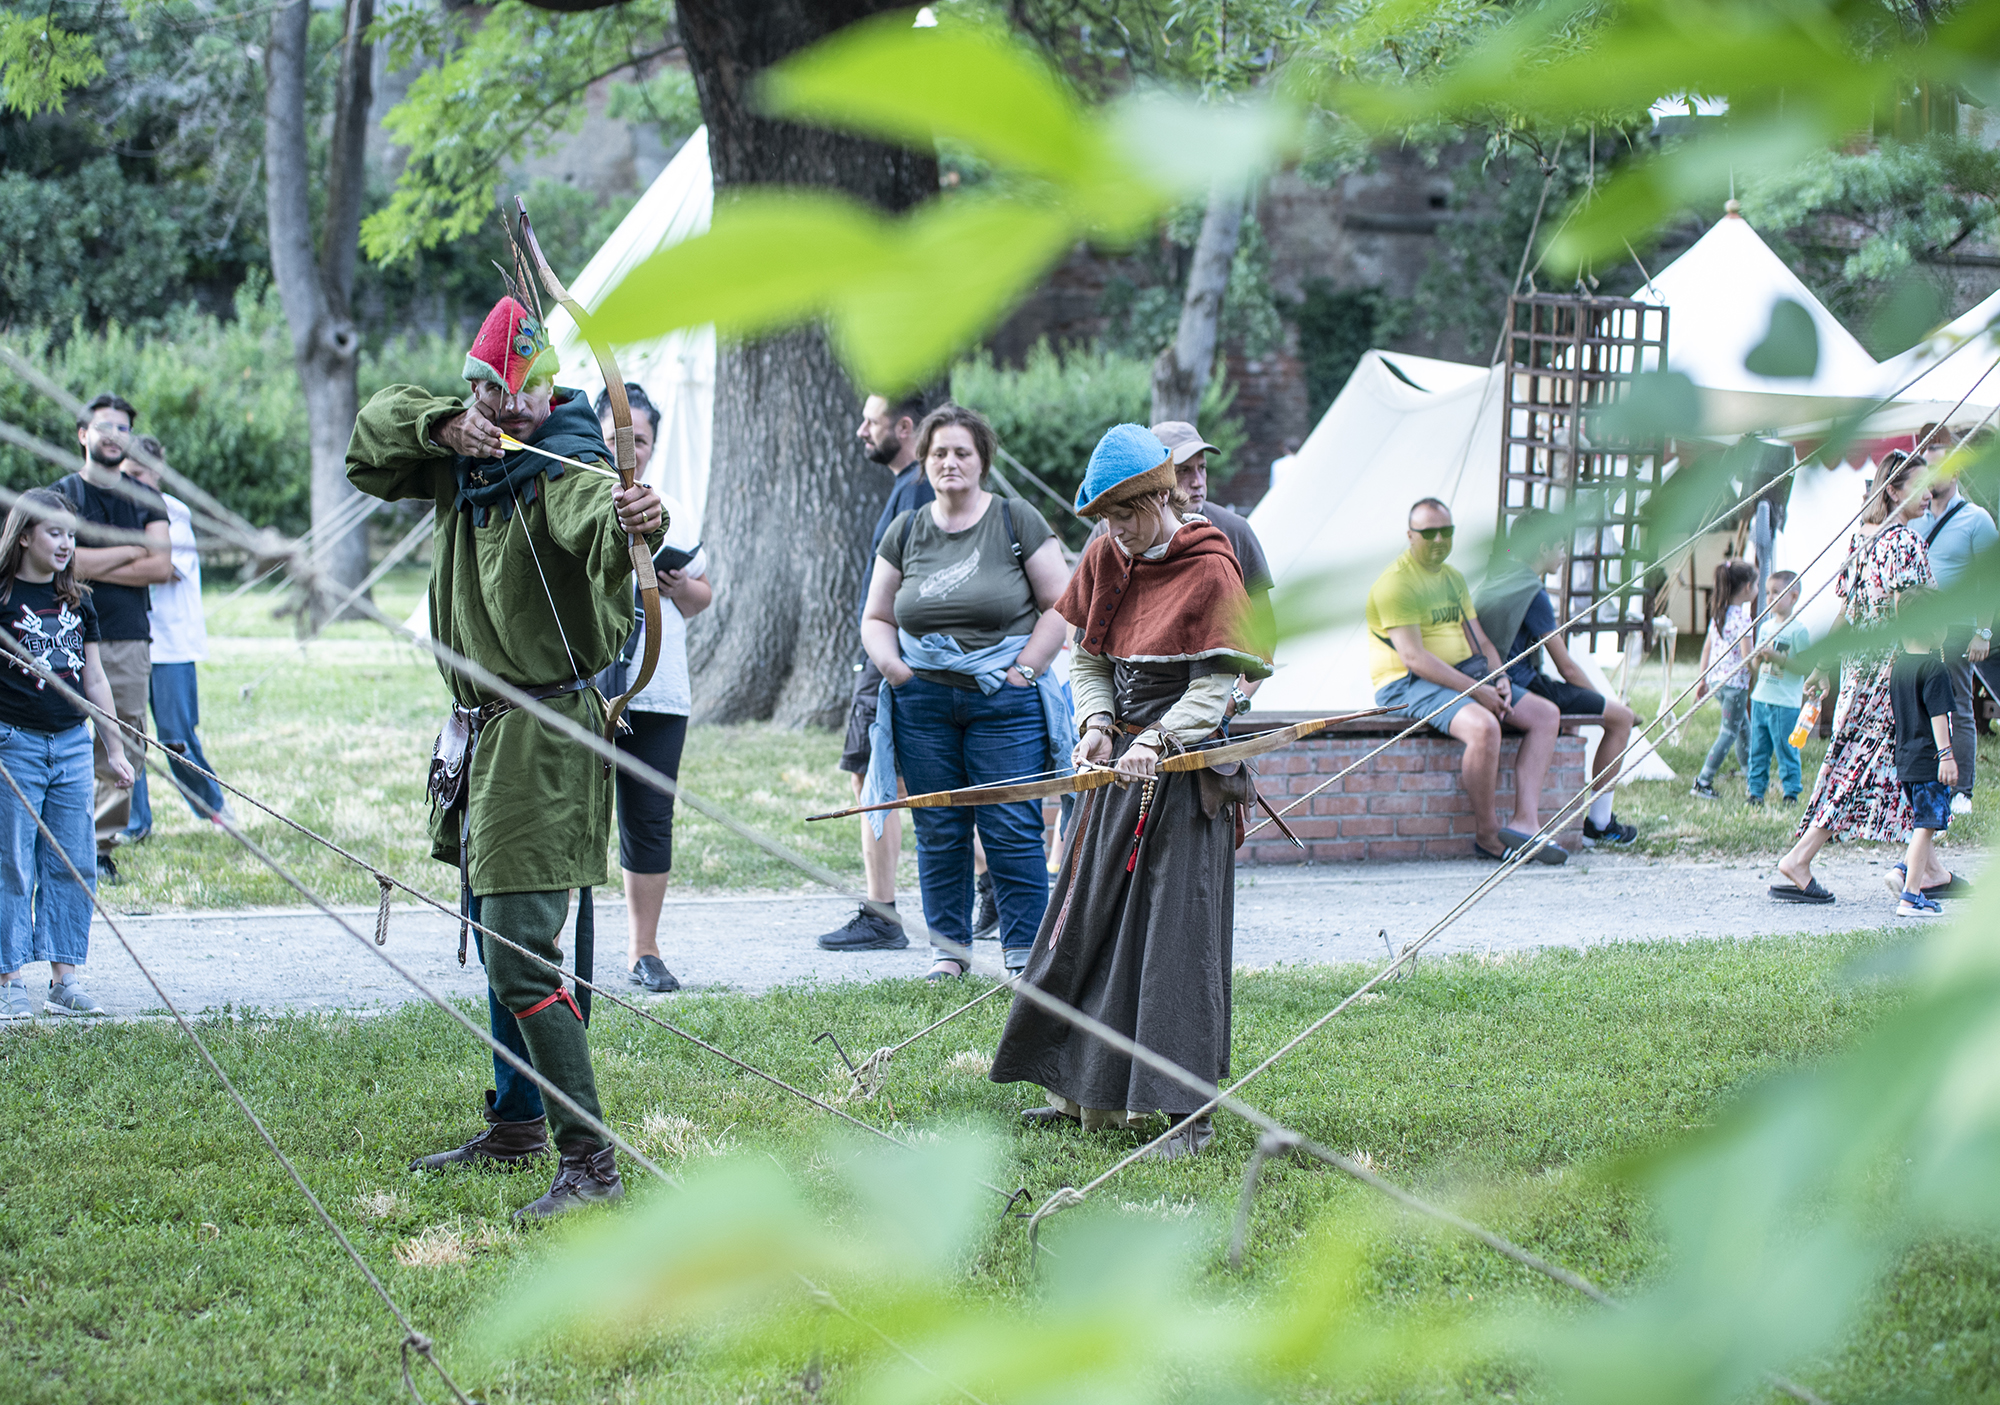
(180, 640)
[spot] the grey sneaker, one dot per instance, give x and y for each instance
(15, 1002)
(68, 997)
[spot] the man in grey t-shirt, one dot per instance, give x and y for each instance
(1190, 454)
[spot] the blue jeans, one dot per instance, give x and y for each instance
(951, 738)
(1735, 733)
(176, 715)
(1771, 735)
(44, 915)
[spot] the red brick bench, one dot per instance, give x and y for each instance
(1403, 804)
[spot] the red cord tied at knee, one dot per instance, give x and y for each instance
(562, 994)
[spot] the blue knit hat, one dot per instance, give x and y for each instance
(1128, 460)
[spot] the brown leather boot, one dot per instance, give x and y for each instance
(586, 1173)
(501, 1144)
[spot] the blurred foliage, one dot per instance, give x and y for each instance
(1461, 297)
(221, 395)
(503, 85)
(1052, 409)
(902, 296)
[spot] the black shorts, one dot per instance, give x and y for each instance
(646, 815)
(854, 751)
(1567, 697)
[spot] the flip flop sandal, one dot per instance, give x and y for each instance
(937, 973)
(1953, 887)
(1550, 852)
(1815, 893)
(1485, 853)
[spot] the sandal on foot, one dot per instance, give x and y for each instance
(1549, 853)
(938, 974)
(1955, 886)
(1814, 892)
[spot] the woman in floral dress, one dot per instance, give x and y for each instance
(1857, 795)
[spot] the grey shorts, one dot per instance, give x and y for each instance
(1416, 698)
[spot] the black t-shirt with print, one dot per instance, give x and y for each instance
(54, 634)
(121, 609)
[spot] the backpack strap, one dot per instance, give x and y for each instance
(1007, 520)
(1938, 526)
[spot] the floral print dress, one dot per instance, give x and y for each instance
(1857, 794)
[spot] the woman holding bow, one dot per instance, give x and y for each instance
(1138, 931)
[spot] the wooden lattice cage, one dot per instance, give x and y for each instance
(1569, 359)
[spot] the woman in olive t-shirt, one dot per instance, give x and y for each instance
(966, 574)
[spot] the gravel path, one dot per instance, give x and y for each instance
(300, 960)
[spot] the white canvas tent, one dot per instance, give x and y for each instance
(1404, 427)
(677, 370)
(1720, 294)
(1956, 363)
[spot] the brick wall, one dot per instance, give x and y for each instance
(1404, 804)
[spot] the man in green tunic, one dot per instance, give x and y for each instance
(531, 578)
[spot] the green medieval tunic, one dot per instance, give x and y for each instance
(535, 586)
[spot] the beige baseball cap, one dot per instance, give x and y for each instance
(1183, 440)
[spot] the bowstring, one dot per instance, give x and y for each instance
(520, 515)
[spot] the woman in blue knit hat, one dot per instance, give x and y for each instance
(1139, 928)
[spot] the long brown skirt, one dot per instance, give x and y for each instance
(1146, 951)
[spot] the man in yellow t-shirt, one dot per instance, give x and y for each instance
(1425, 649)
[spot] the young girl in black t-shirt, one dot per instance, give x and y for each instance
(46, 752)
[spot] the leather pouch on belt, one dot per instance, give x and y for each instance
(447, 778)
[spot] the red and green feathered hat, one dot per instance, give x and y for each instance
(512, 346)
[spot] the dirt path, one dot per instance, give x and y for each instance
(300, 960)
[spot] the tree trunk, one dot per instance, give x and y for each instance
(316, 288)
(1182, 372)
(791, 499)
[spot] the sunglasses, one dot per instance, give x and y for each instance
(1431, 534)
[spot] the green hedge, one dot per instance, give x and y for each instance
(222, 396)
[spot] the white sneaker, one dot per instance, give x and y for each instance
(15, 1002)
(1961, 803)
(68, 997)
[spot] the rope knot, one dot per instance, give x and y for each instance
(382, 910)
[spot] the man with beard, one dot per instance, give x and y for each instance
(121, 573)
(888, 435)
(531, 578)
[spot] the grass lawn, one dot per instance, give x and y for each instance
(150, 1249)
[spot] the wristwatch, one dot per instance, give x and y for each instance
(1240, 698)
(1025, 671)
(1986, 633)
